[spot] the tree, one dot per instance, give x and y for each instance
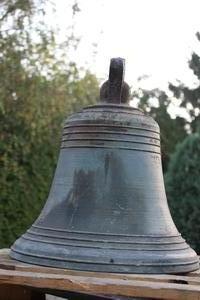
(183, 189)
(190, 97)
(37, 90)
(174, 130)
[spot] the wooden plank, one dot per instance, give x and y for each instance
(194, 274)
(8, 264)
(112, 285)
(105, 286)
(4, 251)
(13, 292)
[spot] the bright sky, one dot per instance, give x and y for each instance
(156, 37)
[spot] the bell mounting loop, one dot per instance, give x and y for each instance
(116, 79)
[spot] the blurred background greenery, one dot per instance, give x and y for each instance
(40, 85)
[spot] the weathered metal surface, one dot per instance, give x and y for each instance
(107, 209)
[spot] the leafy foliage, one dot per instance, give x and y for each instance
(37, 90)
(190, 97)
(183, 189)
(175, 130)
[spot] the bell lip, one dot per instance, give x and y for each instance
(167, 260)
(111, 267)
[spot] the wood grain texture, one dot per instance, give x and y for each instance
(185, 287)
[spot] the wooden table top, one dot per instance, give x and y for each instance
(113, 285)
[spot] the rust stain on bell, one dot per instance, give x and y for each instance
(107, 209)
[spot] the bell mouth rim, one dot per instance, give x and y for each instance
(151, 265)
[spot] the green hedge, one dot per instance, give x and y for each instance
(183, 189)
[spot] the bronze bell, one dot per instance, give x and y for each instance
(107, 209)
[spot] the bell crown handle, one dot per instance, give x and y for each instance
(116, 79)
(115, 90)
